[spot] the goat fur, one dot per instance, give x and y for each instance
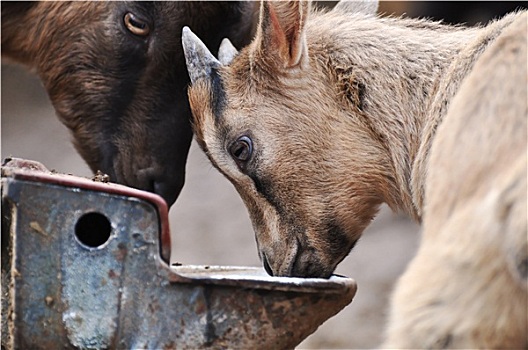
(122, 96)
(346, 111)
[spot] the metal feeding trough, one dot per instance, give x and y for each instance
(85, 265)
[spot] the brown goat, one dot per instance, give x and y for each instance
(115, 74)
(324, 116)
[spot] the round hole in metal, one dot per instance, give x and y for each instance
(93, 229)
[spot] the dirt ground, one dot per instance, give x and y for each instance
(209, 222)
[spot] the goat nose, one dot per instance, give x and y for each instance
(169, 191)
(167, 187)
(309, 266)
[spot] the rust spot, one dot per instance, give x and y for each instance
(121, 252)
(200, 307)
(170, 346)
(154, 306)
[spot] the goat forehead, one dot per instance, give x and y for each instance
(221, 112)
(234, 106)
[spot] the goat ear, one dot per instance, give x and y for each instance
(366, 7)
(226, 52)
(200, 61)
(281, 30)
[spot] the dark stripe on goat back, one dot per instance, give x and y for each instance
(218, 96)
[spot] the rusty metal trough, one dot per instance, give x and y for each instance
(84, 265)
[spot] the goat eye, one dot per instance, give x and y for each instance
(241, 149)
(135, 25)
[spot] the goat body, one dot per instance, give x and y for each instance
(115, 74)
(325, 116)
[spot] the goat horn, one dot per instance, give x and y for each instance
(200, 61)
(226, 52)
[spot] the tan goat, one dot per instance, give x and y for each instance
(324, 116)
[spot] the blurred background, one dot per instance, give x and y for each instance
(209, 222)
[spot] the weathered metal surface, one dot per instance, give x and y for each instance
(82, 267)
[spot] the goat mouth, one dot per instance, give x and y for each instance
(301, 266)
(308, 265)
(266, 264)
(312, 270)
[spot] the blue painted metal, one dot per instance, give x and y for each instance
(84, 265)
